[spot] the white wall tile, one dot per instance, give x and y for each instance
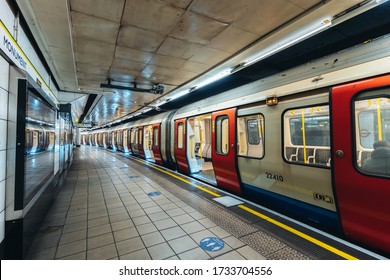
(11, 137)
(3, 164)
(11, 160)
(2, 195)
(12, 108)
(2, 226)
(9, 196)
(3, 134)
(3, 104)
(4, 73)
(15, 74)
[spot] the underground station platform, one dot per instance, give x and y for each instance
(116, 206)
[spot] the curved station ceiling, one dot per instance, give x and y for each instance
(117, 60)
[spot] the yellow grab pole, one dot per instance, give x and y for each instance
(378, 110)
(304, 136)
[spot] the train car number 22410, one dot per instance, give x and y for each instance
(274, 177)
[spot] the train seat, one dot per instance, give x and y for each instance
(320, 156)
(299, 155)
(290, 151)
(362, 156)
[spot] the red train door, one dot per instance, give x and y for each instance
(156, 144)
(223, 144)
(358, 120)
(181, 145)
(141, 142)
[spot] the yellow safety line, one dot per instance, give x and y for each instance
(28, 60)
(300, 234)
(181, 179)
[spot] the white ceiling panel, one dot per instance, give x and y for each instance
(94, 52)
(178, 48)
(106, 9)
(167, 61)
(261, 19)
(225, 43)
(140, 12)
(178, 3)
(140, 39)
(209, 56)
(96, 69)
(196, 28)
(226, 11)
(196, 67)
(97, 29)
(133, 54)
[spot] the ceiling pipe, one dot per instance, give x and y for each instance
(156, 89)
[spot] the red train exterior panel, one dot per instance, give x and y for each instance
(225, 164)
(181, 145)
(141, 142)
(363, 200)
(156, 148)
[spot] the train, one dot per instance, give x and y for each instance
(297, 142)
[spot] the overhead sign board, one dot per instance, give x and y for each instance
(12, 50)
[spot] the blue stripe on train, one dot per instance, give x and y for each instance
(291, 207)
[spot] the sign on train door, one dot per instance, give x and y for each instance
(361, 121)
(223, 143)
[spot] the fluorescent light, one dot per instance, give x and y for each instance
(213, 78)
(325, 23)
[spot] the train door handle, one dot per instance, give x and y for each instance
(339, 153)
(232, 146)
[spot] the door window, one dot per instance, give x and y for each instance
(180, 135)
(372, 132)
(222, 135)
(155, 136)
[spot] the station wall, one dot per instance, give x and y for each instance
(19, 58)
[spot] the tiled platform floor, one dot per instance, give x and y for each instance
(104, 212)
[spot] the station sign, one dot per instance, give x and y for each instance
(13, 51)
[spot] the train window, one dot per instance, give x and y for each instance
(250, 136)
(372, 137)
(180, 135)
(140, 135)
(222, 135)
(155, 136)
(307, 135)
(134, 136)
